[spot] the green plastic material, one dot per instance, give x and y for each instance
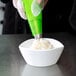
(35, 22)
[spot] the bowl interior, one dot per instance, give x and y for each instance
(27, 44)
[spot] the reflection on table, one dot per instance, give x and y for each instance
(41, 71)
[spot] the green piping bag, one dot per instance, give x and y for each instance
(34, 16)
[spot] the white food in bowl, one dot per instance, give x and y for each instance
(41, 44)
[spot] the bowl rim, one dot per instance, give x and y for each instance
(50, 49)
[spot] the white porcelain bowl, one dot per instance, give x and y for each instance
(41, 58)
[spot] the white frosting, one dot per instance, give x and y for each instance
(41, 44)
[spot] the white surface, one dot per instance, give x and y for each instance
(2, 4)
(1, 16)
(41, 58)
(1, 27)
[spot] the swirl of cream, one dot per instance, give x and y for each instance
(41, 44)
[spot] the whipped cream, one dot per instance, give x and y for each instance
(41, 44)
